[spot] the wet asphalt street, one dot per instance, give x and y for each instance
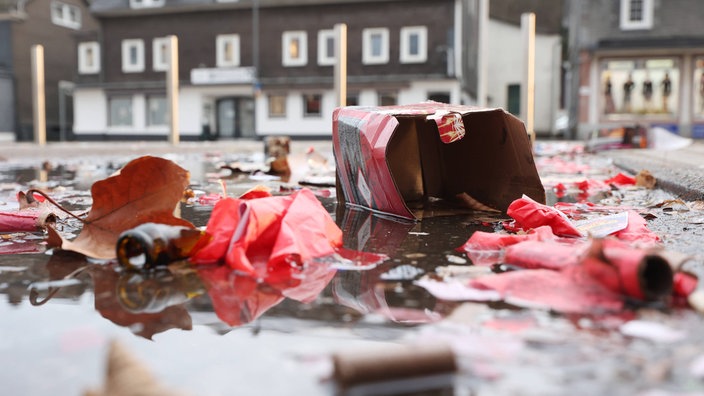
(59, 348)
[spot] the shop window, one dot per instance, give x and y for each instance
(157, 110)
(375, 46)
(698, 91)
(636, 14)
(277, 106)
(414, 44)
(388, 99)
(120, 111)
(312, 105)
(65, 15)
(294, 47)
(647, 87)
(89, 57)
(228, 50)
(132, 56)
(326, 47)
(160, 54)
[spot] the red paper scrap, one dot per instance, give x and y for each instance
(531, 214)
(264, 235)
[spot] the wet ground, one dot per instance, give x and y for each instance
(61, 310)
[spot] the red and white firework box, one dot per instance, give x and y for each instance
(397, 160)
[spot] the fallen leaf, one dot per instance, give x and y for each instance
(645, 179)
(146, 190)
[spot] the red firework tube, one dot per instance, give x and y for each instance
(639, 273)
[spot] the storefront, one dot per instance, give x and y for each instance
(648, 90)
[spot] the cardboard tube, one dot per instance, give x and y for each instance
(392, 362)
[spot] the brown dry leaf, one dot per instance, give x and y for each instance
(645, 179)
(147, 189)
(126, 376)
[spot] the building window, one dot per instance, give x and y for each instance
(146, 3)
(65, 15)
(442, 97)
(414, 44)
(352, 99)
(228, 50)
(277, 105)
(326, 47)
(513, 95)
(157, 110)
(388, 98)
(120, 112)
(132, 56)
(312, 105)
(89, 57)
(636, 14)
(294, 48)
(641, 87)
(375, 43)
(160, 55)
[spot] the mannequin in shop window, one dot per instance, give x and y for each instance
(666, 91)
(647, 93)
(608, 97)
(627, 90)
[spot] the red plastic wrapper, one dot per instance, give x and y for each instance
(264, 235)
(531, 214)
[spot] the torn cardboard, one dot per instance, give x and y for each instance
(400, 159)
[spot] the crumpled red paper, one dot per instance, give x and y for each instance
(531, 214)
(264, 236)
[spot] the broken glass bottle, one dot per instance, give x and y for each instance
(150, 245)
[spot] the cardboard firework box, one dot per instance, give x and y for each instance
(396, 160)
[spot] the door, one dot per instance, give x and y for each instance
(235, 118)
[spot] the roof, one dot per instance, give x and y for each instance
(122, 7)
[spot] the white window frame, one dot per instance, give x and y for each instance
(220, 43)
(645, 23)
(127, 67)
(286, 39)
(83, 49)
(406, 56)
(368, 57)
(325, 59)
(160, 63)
(146, 3)
(61, 15)
(111, 122)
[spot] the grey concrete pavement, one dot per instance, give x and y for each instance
(680, 171)
(62, 150)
